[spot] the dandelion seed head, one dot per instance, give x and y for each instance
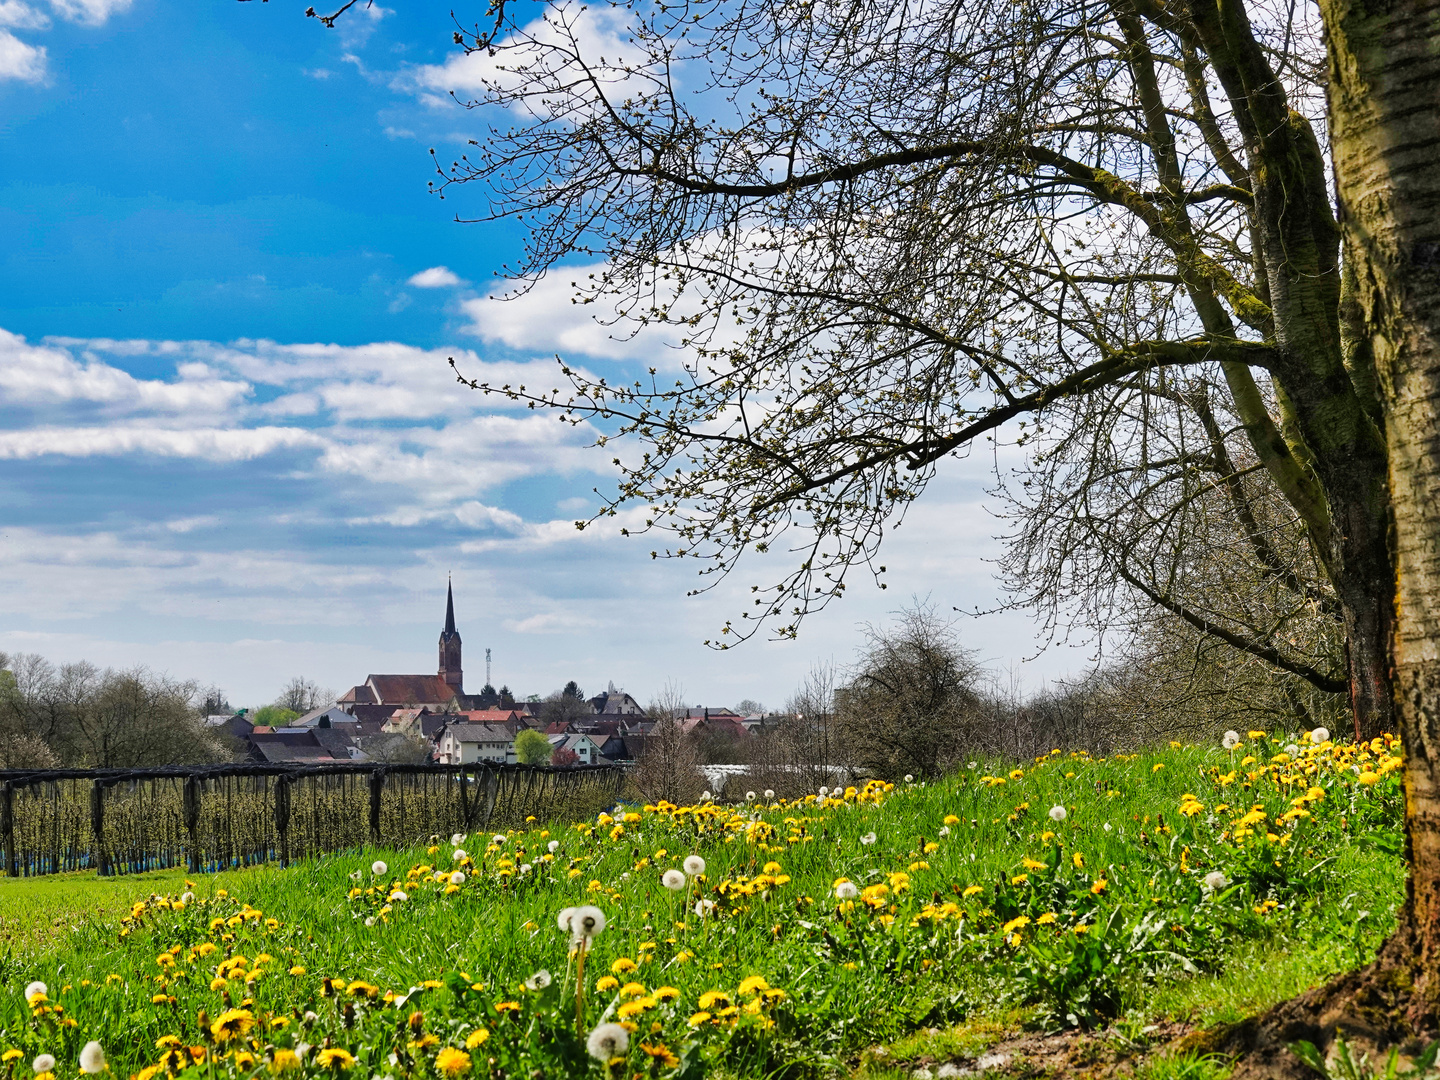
(607, 1041)
(92, 1058)
(824, 791)
(378, 868)
(673, 880)
(868, 839)
(1292, 749)
(944, 830)
(769, 794)
(539, 981)
(457, 878)
(43, 1063)
(457, 838)
(459, 854)
(694, 865)
(187, 898)
(1230, 740)
(704, 907)
(1216, 880)
(1320, 735)
(846, 890)
(749, 796)
(499, 838)
(1058, 813)
(909, 779)
(525, 868)
(36, 988)
(587, 921)
(562, 920)
(705, 796)
(553, 846)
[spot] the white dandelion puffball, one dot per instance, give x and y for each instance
(1107, 826)
(694, 865)
(1058, 813)
(539, 981)
(31, 991)
(608, 1041)
(457, 878)
(824, 791)
(553, 846)
(944, 830)
(909, 779)
(525, 868)
(378, 868)
(1230, 740)
(43, 1063)
(973, 765)
(498, 838)
(369, 920)
(749, 796)
(1215, 879)
(1292, 749)
(846, 890)
(460, 854)
(399, 896)
(587, 921)
(1320, 735)
(704, 907)
(769, 794)
(705, 796)
(562, 920)
(625, 876)
(92, 1058)
(673, 880)
(868, 839)
(187, 898)
(457, 838)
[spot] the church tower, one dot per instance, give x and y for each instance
(450, 670)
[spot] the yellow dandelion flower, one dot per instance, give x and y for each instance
(451, 1062)
(623, 966)
(1100, 886)
(477, 1038)
(284, 1060)
(335, 1058)
(972, 890)
(753, 985)
(606, 982)
(666, 993)
(699, 1018)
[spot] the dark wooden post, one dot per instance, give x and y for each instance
(377, 786)
(97, 826)
(190, 802)
(282, 817)
(7, 828)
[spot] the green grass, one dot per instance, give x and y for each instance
(951, 941)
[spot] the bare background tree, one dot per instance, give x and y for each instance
(668, 766)
(302, 695)
(910, 702)
(83, 716)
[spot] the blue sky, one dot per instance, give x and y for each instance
(230, 445)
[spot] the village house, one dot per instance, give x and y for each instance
(466, 744)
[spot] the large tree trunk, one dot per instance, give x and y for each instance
(1385, 124)
(1385, 129)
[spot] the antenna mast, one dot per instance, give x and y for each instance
(487, 667)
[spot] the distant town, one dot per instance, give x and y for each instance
(432, 718)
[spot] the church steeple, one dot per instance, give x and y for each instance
(450, 668)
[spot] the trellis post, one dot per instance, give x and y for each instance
(7, 828)
(377, 787)
(97, 826)
(282, 817)
(190, 804)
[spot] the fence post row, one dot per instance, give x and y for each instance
(56, 824)
(7, 828)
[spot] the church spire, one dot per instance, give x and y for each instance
(450, 666)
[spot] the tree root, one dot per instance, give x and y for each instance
(1390, 1003)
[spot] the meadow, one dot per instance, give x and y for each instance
(881, 931)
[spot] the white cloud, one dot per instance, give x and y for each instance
(25, 63)
(204, 444)
(437, 277)
(546, 319)
(552, 622)
(40, 375)
(18, 15)
(89, 12)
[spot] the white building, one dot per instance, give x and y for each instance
(465, 744)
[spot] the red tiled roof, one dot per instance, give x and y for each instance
(411, 689)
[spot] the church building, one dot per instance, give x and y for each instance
(380, 695)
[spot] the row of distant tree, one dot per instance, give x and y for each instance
(916, 701)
